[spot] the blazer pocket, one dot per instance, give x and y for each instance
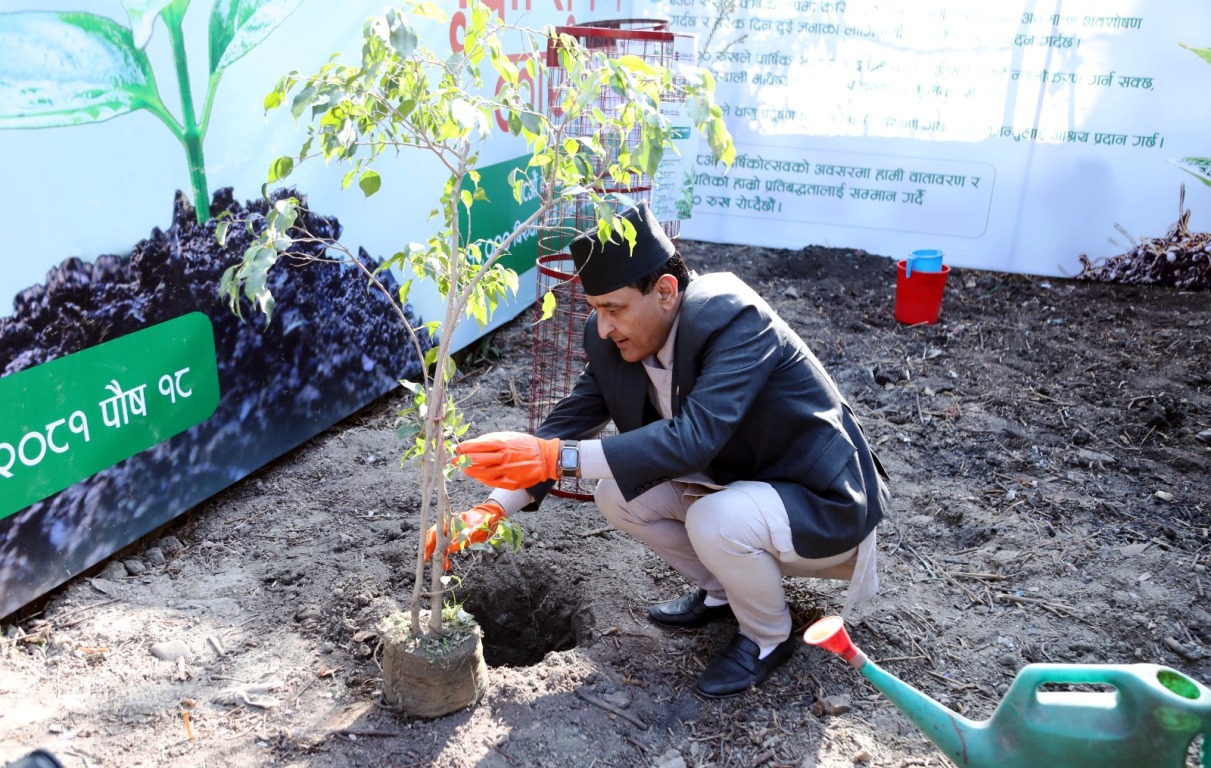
(825, 463)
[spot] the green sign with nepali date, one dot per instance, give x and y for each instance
(68, 419)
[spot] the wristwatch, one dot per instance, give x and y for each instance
(569, 458)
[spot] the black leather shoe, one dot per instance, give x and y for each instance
(688, 611)
(737, 669)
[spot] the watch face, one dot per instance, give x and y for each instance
(569, 458)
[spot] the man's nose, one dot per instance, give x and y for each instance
(604, 328)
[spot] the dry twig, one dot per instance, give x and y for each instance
(608, 707)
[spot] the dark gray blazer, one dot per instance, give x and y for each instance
(750, 402)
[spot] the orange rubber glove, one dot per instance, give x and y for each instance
(511, 460)
(479, 523)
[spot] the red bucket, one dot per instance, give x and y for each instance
(919, 298)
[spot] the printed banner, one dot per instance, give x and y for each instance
(120, 129)
(1015, 139)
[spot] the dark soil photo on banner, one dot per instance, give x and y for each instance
(280, 384)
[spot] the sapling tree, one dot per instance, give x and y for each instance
(402, 97)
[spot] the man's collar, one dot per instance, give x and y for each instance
(664, 356)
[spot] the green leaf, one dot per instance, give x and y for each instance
(369, 182)
(280, 168)
(468, 117)
(1198, 167)
(530, 121)
(143, 15)
(431, 11)
(220, 230)
(548, 305)
(238, 26)
(69, 69)
(403, 38)
(1202, 53)
(636, 64)
(301, 101)
(627, 230)
(505, 68)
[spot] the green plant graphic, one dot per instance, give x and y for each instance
(61, 68)
(1199, 167)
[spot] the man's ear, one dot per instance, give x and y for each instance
(666, 287)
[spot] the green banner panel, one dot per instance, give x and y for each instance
(72, 417)
(500, 213)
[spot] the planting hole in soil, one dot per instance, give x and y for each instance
(525, 614)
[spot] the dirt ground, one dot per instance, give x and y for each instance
(1052, 501)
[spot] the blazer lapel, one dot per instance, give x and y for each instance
(631, 396)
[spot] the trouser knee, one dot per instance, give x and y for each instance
(611, 504)
(714, 526)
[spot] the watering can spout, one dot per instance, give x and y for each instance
(948, 730)
(1141, 714)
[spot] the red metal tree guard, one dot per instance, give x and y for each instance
(558, 350)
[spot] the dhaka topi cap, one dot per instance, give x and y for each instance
(606, 267)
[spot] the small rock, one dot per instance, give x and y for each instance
(790, 292)
(1204, 436)
(1163, 495)
(1087, 456)
(1008, 660)
(105, 586)
(862, 756)
(1134, 550)
(620, 699)
(884, 376)
(134, 567)
(1006, 556)
(308, 612)
(154, 557)
(836, 705)
(170, 650)
(327, 647)
(170, 545)
(670, 759)
(114, 569)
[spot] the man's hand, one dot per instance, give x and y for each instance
(511, 460)
(478, 525)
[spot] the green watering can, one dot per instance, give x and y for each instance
(1149, 719)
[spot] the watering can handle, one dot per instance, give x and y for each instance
(1035, 675)
(1131, 681)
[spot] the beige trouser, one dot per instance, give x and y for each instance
(733, 541)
